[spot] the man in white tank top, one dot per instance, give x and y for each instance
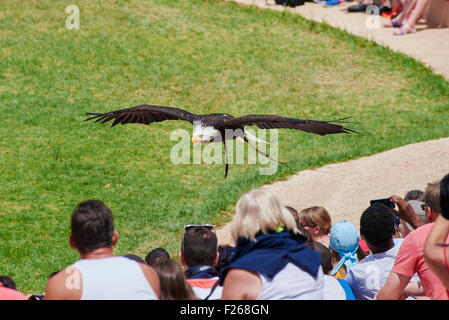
(99, 274)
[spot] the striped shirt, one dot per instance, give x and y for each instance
(368, 276)
(203, 287)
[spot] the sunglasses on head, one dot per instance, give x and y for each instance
(211, 227)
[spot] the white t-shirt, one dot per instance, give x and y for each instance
(333, 289)
(292, 283)
(115, 278)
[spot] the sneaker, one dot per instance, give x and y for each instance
(404, 30)
(393, 23)
(357, 8)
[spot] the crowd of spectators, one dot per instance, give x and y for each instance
(403, 14)
(280, 253)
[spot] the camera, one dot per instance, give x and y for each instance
(385, 201)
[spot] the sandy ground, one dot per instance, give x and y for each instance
(345, 189)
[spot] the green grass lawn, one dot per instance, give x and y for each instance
(204, 56)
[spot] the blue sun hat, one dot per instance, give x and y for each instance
(344, 239)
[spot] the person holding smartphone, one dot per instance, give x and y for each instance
(410, 258)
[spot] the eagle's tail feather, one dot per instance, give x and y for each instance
(263, 153)
(253, 138)
(343, 121)
(226, 159)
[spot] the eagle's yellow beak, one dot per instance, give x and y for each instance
(196, 139)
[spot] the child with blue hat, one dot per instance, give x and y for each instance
(344, 239)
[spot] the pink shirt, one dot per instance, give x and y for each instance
(10, 294)
(410, 260)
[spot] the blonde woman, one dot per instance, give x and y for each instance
(270, 259)
(318, 222)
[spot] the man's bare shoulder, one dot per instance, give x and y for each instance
(65, 285)
(244, 275)
(241, 284)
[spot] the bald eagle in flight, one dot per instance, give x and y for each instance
(212, 127)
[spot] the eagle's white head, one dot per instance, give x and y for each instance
(203, 133)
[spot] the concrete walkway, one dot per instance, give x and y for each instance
(430, 46)
(345, 189)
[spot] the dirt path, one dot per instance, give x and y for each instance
(345, 189)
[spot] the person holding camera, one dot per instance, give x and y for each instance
(377, 228)
(410, 258)
(406, 213)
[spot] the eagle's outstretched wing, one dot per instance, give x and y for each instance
(277, 122)
(144, 114)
